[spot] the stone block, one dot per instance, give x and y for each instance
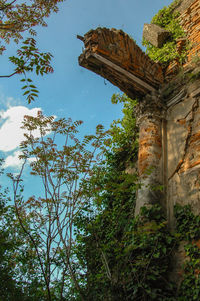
(183, 5)
(155, 34)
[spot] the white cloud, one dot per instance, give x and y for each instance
(11, 135)
(8, 101)
(14, 161)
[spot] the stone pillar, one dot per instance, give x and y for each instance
(150, 116)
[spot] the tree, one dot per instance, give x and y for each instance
(79, 237)
(48, 220)
(9, 286)
(16, 257)
(18, 17)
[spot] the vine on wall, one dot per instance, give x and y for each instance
(167, 18)
(188, 230)
(126, 258)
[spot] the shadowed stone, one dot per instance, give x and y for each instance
(155, 34)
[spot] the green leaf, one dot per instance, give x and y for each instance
(26, 92)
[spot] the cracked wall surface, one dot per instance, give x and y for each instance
(183, 150)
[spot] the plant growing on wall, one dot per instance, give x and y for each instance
(82, 240)
(188, 229)
(124, 258)
(167, 18)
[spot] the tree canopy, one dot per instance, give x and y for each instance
(20, 16)
(16, 19)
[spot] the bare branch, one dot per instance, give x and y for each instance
(7, 76)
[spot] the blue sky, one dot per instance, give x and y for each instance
(71, 91)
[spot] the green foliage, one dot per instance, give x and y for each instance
(187, 224)
(195, 59)
(124, 132)
(20, 17)
(83, 229)
(19, 276)
(150, 249)
(9, 289)
(63, 164)
(100, 230)
(167, 19)
(30, 59)
(124, 258)
(193, 76)
(188, 228)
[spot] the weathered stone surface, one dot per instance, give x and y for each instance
(150, 113)
(183, 5)
(183, 152)
(155, 34)
(169, 145)
(114, 55)
(190, 22)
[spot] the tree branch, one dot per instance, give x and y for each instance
(6, 76)
(6, 6)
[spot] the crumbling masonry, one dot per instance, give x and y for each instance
(168, 113)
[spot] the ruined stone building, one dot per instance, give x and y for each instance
(168, 113)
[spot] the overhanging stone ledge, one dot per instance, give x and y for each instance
(115, 56)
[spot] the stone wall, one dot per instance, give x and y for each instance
(168, 113)
(177, 166)
(190, 21)
(183, 5)
(115, 56)
(183, 147)
(150, 114)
